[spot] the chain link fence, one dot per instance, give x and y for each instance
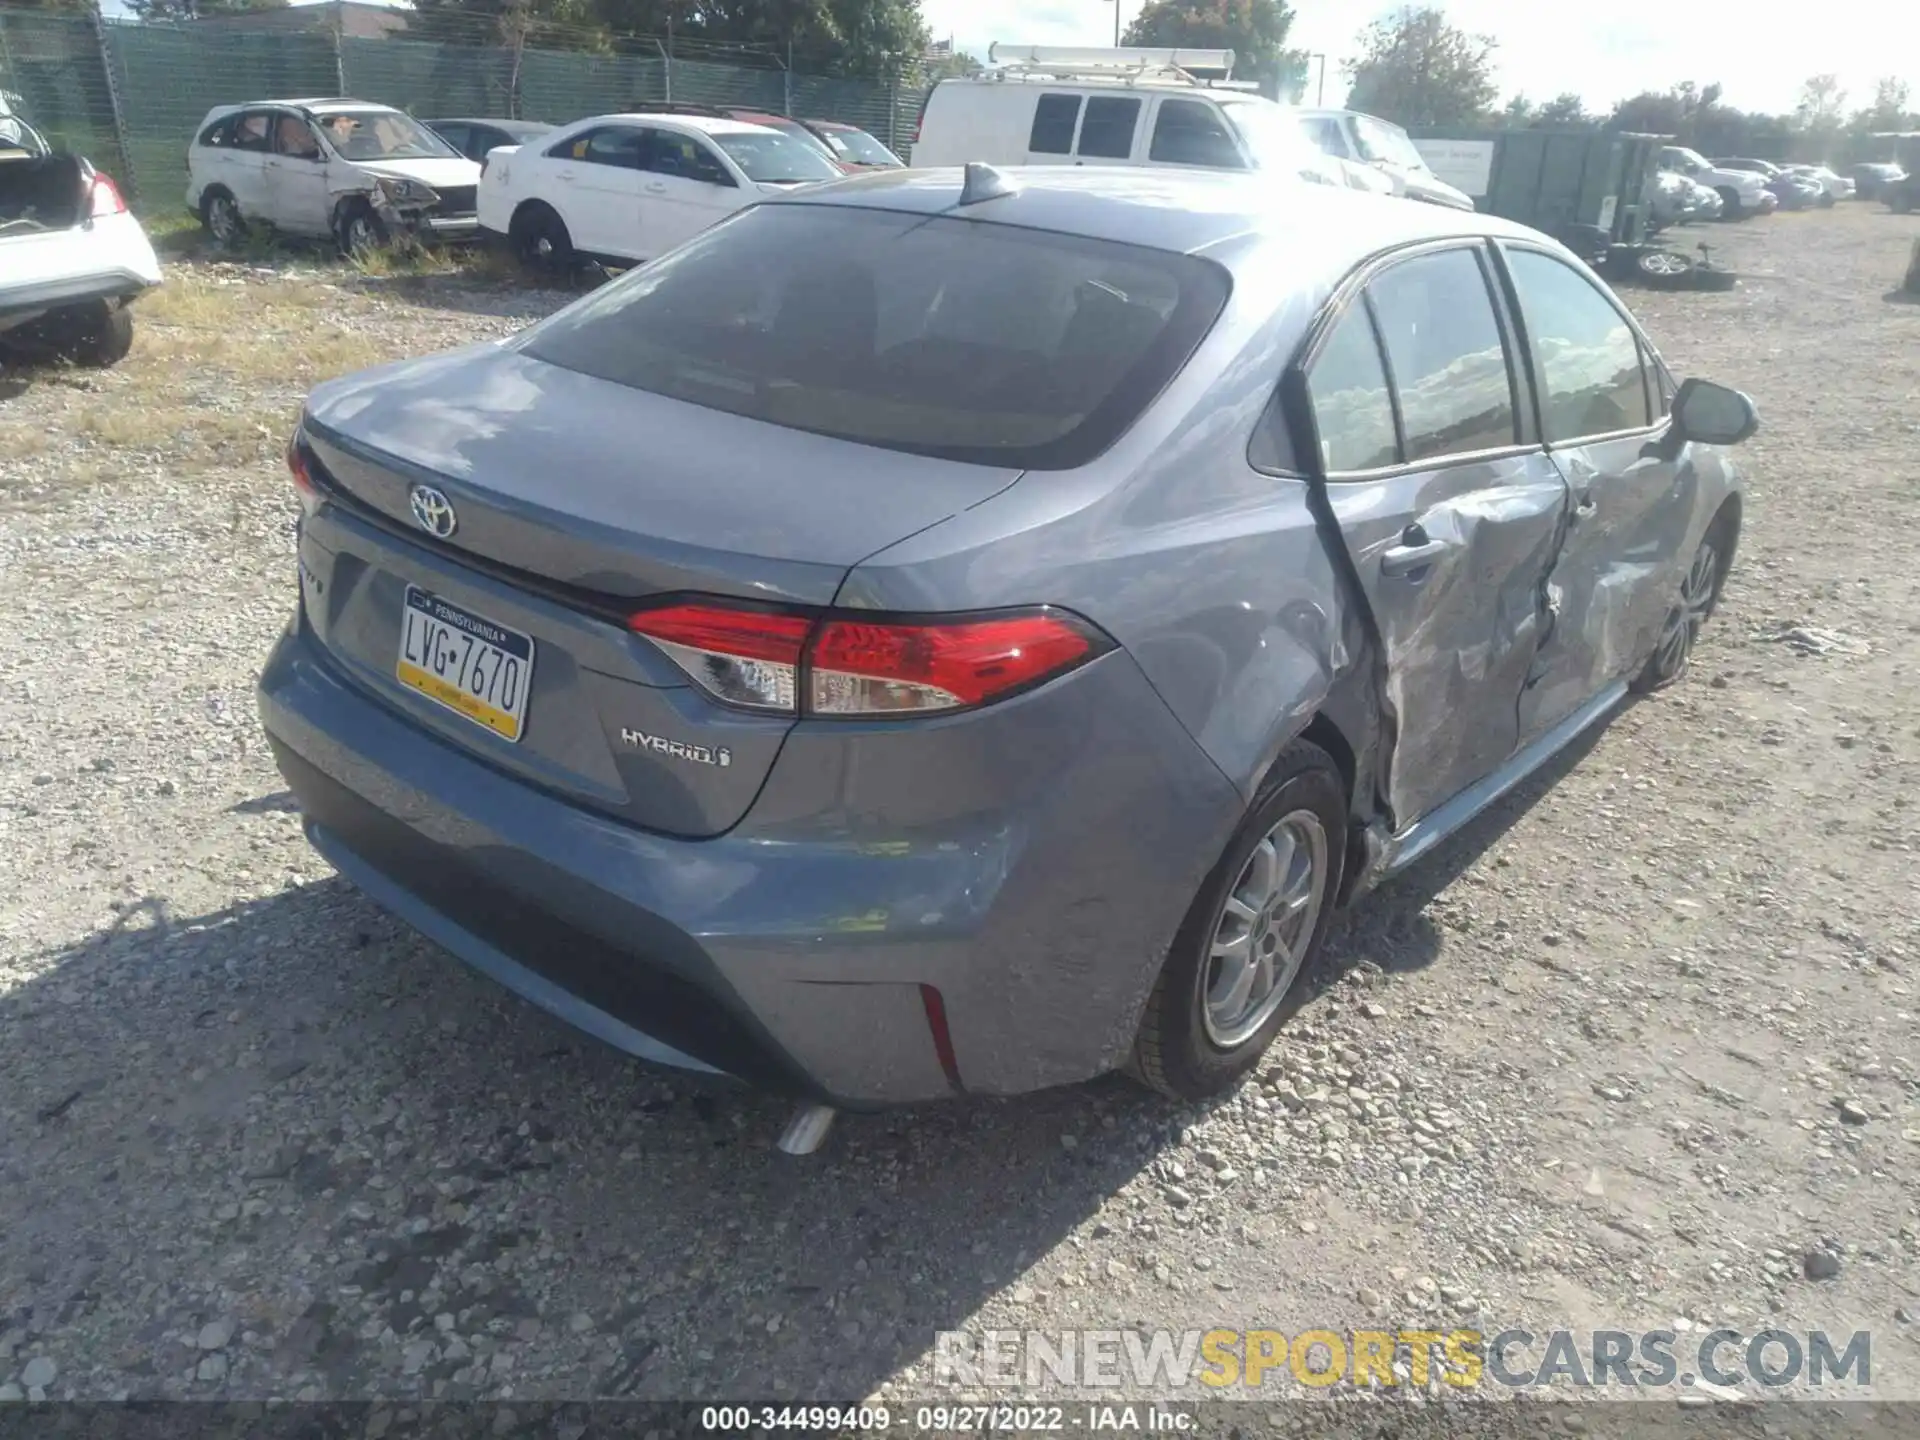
(129, 96)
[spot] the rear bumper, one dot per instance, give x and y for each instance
(44, 295)
(798, 951)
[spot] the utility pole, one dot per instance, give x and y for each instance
(1116, 24)
(1320, 91)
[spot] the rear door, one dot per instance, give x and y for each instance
(1449, 508)
(244, 167)
(596, 179)
(685, 188)
(296, 177)
(1602, 399)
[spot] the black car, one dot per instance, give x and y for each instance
(474, 138)
(1902, 195)
(1873, 177)
(1795, 192)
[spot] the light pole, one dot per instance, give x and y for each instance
(1320, 91)
(1116, 24)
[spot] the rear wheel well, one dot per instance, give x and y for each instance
(525, 211)
(1323, 732)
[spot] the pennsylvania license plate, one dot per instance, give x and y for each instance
(466, 662)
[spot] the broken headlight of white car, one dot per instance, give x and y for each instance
(406, 194)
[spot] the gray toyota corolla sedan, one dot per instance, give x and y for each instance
(943, 633)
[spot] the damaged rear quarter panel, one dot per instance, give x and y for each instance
(1212, 575)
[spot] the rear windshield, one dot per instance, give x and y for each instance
(941, 336)
(859, 148)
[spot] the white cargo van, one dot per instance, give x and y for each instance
(1058, 105)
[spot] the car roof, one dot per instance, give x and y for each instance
(525, 126)
(839, 125)
(319, 105)
(1179, 210)
(704, 124)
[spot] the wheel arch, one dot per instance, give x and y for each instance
(1725, 523)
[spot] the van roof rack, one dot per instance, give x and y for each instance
(1125, 65)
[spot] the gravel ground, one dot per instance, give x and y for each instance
(1641, 1050)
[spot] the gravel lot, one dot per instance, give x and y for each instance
(1640, 1050)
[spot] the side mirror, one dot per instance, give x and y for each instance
(1708, 414)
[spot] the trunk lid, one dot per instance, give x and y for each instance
(574, 500)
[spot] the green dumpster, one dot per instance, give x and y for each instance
(1592, 190)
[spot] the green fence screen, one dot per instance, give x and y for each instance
(130, 96)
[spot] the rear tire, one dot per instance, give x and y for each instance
(541, 243)
(101, 334)
(221, 218)
(1194, 1041)
(95, 334)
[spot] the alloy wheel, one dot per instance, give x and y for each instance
(223, 219)
(1682, 627)
(1261, 937)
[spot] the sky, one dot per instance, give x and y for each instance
(1601, 52)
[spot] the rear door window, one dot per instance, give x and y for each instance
(253, 131)
(1325, 133)
(1054, 120)
(1352, 409)
(1107, 131)
(941, 336)
(1592, 378)
(1447, 357)
(1188, 132)
(620, 146)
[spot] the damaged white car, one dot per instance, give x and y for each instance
(363, 174)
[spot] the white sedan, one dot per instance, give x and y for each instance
(626, 188)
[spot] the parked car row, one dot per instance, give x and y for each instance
(363, 173)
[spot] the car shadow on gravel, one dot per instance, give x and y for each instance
(408, 1182)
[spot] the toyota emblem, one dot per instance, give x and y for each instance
(433, 512)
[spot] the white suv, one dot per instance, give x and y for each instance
(629, 187)
(1742, 191)
(361, 173)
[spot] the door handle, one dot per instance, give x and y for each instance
(1416, 552)
(566, 175)
(656, 188)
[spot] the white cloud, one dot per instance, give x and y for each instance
(1602, 52)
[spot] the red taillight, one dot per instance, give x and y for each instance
(104, 199)
(749, 658)
(859, 668)
(847, 665)
(303, 484)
